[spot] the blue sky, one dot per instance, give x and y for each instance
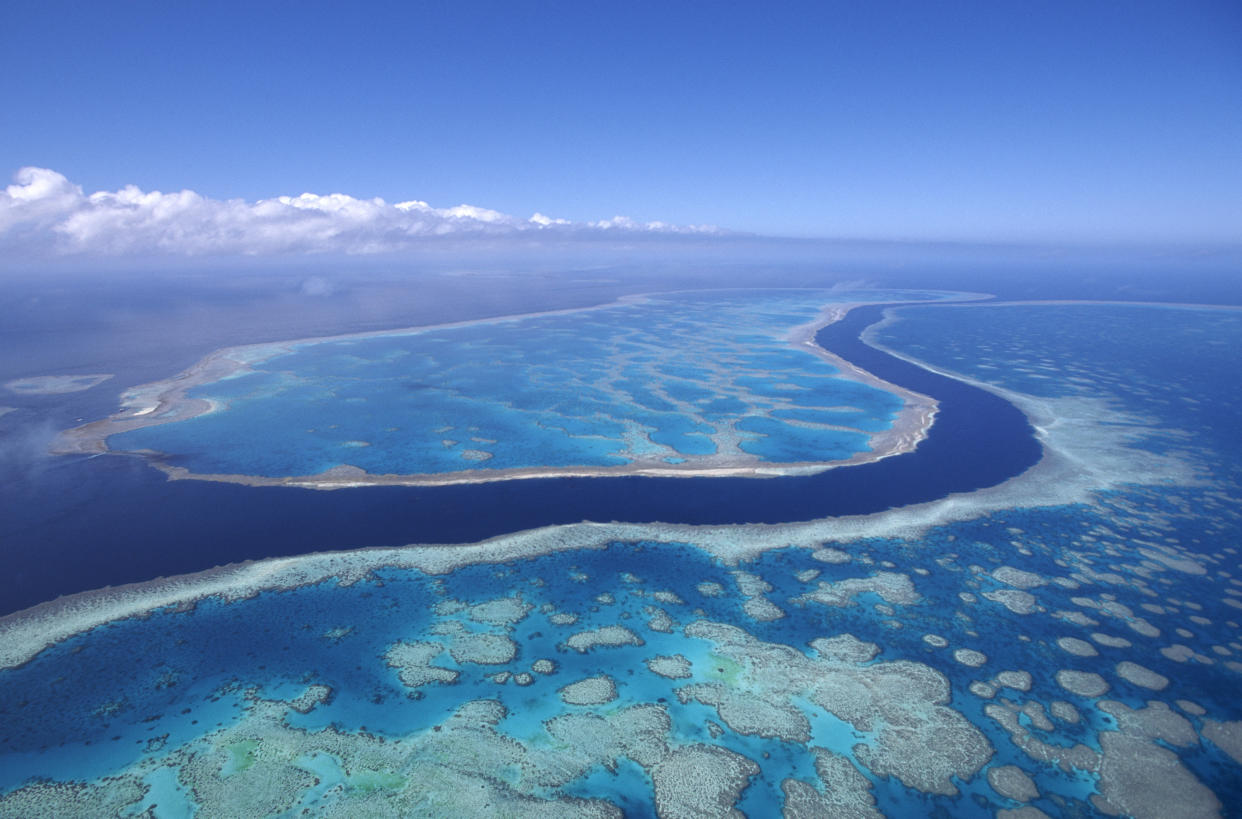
(1058, 121)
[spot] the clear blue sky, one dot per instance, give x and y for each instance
(1098, 121)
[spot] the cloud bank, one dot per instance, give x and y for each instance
(43, 214)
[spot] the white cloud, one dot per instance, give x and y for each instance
(44, 214)
(545, 221)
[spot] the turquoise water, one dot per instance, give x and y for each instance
(200, 709)
(674, 379)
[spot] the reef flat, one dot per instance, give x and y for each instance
(711, 383)
(1065, 643)
(55, 384)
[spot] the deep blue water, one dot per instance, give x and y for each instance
(114, 520)
(139, 688)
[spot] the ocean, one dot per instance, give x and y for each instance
(1037, 608)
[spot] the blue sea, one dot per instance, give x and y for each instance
(895, 652)
(668, 380)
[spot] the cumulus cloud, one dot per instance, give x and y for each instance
(44, 214)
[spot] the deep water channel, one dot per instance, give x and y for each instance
(114, 520)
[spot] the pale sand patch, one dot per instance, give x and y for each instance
(483, 649)
(710, 588)
(113, 797)
(675, 667)
(505, 611)
(1035, 712)
(1082, 683)
(1016, 600)
(745, 713)
(1155, 721)
(761, 609)
(1024, 812)
(1079, 757)
(1178, 561)
(1012, 782)
(982, 690)
(1075, 617)
(413, 664)
(1178, 653)
(970, 657)
(845, 648)
(1018, 578)
(750, 585)
(1017, 680)
(700, 780)
(1141, 779)
(917, 737)
(1141, 676)
(1079, 648)
(1064, 711)
(1141, 626)
(590, 691)
(843, 792)
(1225, 735)
(890, 586)
(830, 555)
(607, 636)
(659, 619)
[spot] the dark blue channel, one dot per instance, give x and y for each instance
(81, 525)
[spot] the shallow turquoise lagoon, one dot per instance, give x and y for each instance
(675, 378)
(915, 673)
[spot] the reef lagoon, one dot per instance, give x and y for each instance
(708, 382)
(1064, 641)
